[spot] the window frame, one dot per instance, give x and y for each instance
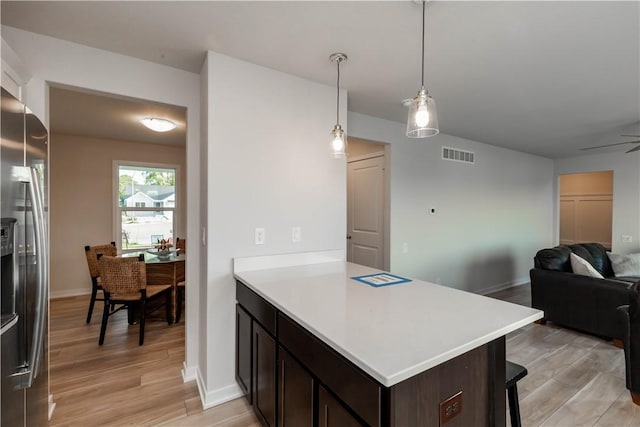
(117, 209)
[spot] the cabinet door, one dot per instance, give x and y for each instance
(264, 375)
(243, 350)
(295, 404)
(331, 413)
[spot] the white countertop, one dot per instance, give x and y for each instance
(391, 332)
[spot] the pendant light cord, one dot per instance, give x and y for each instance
(338, 97)
(423, 13)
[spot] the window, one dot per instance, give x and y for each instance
(145, 204)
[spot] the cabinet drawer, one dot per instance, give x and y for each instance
(257, 307)
(360, 392)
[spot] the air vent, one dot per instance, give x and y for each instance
(456, 155)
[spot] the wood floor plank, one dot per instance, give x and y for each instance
(589, 403)
(544, 401)
(622, 413)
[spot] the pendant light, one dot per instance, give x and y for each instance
(338, 137)
(423, 117)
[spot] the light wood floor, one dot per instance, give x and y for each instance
(122, 383)
(574, 379)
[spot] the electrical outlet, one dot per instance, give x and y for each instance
(259, 236)
(626, 238)
(450, 408)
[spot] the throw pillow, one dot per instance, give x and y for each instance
(581, 266)
(625, 265)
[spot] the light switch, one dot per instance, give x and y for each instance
(259, 235)
(296, 234)
(626, 238)
(405, 248)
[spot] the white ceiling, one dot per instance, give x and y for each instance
(541, 77)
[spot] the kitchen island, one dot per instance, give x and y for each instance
(315, 345)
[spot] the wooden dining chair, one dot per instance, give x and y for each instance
(182, 245)
(124, 281)
(180, 288)
(91, 253)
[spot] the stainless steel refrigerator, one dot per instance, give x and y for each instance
(24, 391)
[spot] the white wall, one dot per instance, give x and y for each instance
(626, 193)
(491, 217)
(81, 200)
(269, 165)
(52, 60)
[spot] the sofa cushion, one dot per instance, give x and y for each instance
(596, 255)
(625, 264)
(580, 266)
(554, 259)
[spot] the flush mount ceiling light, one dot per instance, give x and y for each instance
(423, 117)
(338, 137)
(158, 124)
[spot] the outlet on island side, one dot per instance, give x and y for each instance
(451, 408)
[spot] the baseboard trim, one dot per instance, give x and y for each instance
(503, 286)
(217, 397)
(69, 293)
(189, 374)
(52, 406)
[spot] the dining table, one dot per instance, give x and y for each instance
(163, 269)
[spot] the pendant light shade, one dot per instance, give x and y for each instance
(338, 137)
(423, 117)
(338, 142)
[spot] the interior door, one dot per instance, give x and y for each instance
(365, 212)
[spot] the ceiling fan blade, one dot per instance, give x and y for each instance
(608, 145)
(634, 149)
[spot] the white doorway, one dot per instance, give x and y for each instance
(368, 204)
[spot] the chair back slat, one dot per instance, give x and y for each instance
(182, 245)
(122, 275)
(92, 252)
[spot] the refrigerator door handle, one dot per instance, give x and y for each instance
(31, 176)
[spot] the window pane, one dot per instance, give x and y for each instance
(143, 229)
(146, 186)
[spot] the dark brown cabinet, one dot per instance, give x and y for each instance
(295, 393)
(264, 375)
(243, 351)
(331, 413)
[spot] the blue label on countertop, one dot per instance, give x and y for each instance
(381, 279)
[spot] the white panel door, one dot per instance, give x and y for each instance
(365, 212)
